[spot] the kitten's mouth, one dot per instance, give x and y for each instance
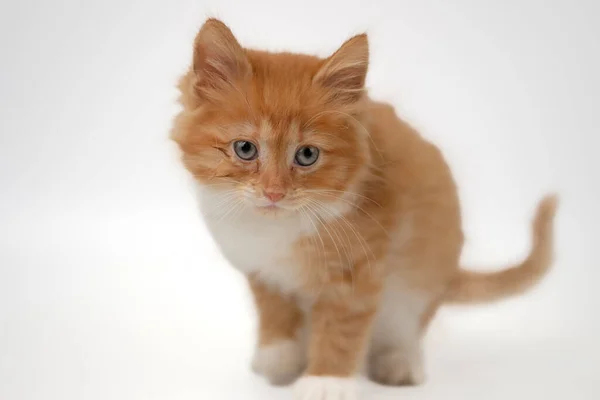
(269, 207)
(274, 209)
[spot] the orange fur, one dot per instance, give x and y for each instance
(379, 209)
(280, 317)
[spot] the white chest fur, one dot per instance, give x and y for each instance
(256, 243)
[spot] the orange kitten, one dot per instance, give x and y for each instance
(344, 219)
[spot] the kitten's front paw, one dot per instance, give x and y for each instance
(281, 362)
(325, 388)
(396, 369)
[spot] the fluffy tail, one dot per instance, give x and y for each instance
(483, 287)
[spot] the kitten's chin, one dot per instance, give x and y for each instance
(273, 210)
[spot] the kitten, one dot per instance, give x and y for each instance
(345, 220)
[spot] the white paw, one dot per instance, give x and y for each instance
(281, 363)
(325, 388)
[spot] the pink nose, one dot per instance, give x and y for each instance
(274, 196)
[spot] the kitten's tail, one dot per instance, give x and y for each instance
(483, 287)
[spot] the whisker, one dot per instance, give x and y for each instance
(324, 224)
(323, 253)
(237, 213)
(363, 211)
(222, 201)
(358, 236)
(335, 223)
(310, 237)
(216, 184)
(231, 209)
(343, 192)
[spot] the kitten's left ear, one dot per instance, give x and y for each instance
(345, 71)
(218, 57)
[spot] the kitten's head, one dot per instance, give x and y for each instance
(276, 132)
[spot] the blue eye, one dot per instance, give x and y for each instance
(245, 150)
(307, 156)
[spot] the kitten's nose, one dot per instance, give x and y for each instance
(274, 196)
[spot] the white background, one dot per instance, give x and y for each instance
(110, 288)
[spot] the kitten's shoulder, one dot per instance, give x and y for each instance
(381, 108)
(387, 128)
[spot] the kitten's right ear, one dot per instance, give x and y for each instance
(218, 57)
(345, 72)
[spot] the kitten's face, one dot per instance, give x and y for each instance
(276, 133)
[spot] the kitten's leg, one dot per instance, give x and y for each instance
(340, 325)
(280, 355)
(395, 357)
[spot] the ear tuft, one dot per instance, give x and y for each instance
(346, 70)
(218, 57)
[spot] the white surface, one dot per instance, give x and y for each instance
(110, 287)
